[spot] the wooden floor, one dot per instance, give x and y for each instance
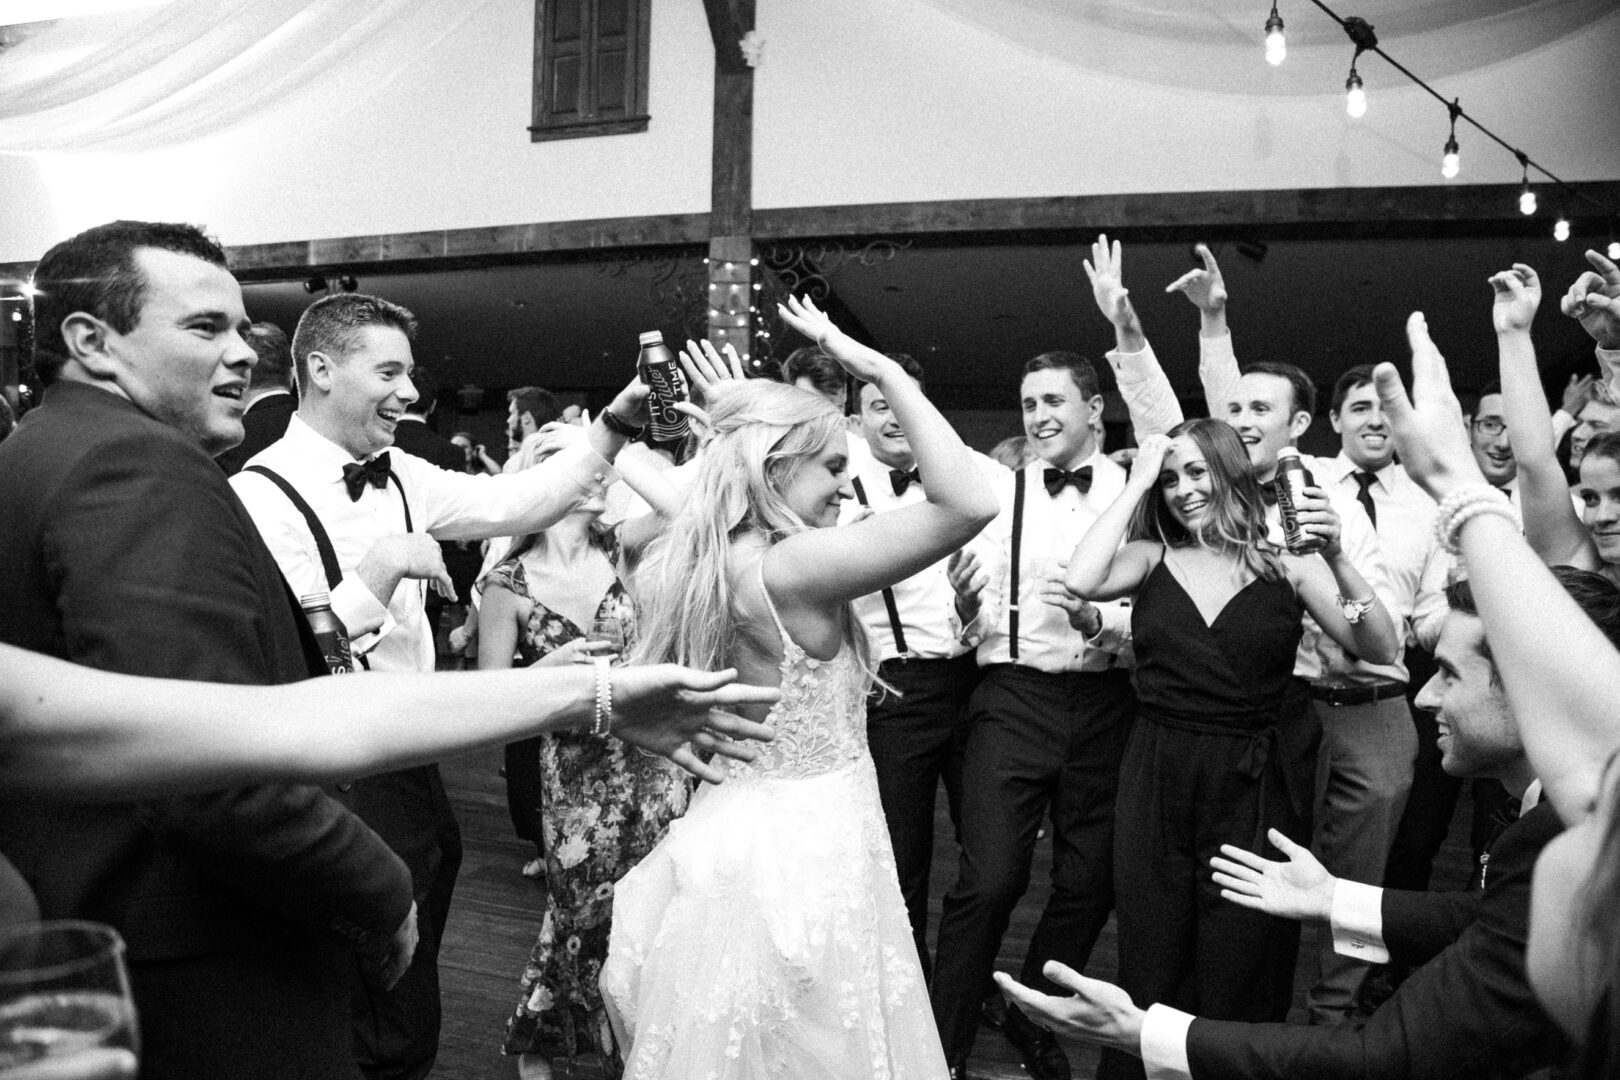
(496, 915)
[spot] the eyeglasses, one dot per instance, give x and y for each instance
(1490, 425)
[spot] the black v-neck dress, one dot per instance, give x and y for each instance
(1201, 769)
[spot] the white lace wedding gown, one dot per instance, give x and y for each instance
(765, 936)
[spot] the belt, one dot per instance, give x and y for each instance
(1364, 694)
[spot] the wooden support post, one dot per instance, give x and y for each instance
(731, 246)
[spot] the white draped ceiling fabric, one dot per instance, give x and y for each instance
(189, 69)
(1216, 45)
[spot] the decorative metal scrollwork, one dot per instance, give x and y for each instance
(677, 283)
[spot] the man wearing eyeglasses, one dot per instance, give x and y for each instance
(1488, 434)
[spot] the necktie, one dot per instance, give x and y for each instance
(1268, 492)
(1057, 479)
(357, 474)
(901, 479)
(1366, 480)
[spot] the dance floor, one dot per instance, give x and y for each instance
(494, 919)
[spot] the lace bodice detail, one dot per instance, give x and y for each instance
(820, 722)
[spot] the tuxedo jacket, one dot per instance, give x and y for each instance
(264, 422)
(1467, 1013)
(123, 547)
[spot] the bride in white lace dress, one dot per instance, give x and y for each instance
(766, 936)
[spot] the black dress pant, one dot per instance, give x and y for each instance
(524, 798)
(396, 1032)
(1037, 742)
(917, 738)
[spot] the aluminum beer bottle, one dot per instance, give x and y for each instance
(658, 370)
(328, 631)
(1292, 479)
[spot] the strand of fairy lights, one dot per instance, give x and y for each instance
(1362, 36)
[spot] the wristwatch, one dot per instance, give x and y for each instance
(1355, 610)
(613, 423)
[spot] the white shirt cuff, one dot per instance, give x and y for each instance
(1357, 920)
(361, 613)
(1164, 1043)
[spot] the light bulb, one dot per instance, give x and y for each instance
(1276, 44)
(1355, 100)
(1450, 162)
(1614, 249)
(1527, 201)
(1561, 229)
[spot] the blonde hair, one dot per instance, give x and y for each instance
(762, 433)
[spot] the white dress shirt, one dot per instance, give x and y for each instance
(1051, 529)
(447, 505)
(925, 601)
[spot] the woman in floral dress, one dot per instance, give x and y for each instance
(602, 805)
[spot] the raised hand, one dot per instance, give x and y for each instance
(1318, 518)
(1206, 288)
(1098, 1012)
(1149, 463)
(1300, 888)
(705, 368)
(1594, 301)
(1578, 393)
(668, 710)
(1105, 268)
(1518, 295)
(405, 555)
(1428, 427)
(863, 363)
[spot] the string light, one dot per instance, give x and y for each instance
(1527, 197)
(1450, 160)
(1614, 249)
(1355, 96)
(1561, 229)
(1276, 44)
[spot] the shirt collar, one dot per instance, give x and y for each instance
(1345, 467)
(316, 449)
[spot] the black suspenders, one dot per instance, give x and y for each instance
(323, 542)
(888, 594)
(1017, 542)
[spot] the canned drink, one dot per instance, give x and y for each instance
(662, 375)
(1292, 479)
(329, 633)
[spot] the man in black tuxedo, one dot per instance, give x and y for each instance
(1468, 1012)
(271, 398)
(124, 548)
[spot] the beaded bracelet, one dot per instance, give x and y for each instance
(1463, 504)
(604, 698)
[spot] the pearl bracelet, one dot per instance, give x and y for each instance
(604, 698)
(1463, 504)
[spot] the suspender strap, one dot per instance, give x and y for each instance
(403, 501)
(1017, 543)
(323, 543)
(888, 594)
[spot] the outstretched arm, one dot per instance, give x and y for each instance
(1320, 583)
(823, 566)
(75, 732)
(1558, 668)
(1102, 569)
(1217, 364)
(1142, 382)
(1550, 522)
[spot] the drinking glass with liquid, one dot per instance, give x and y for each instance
(65, 1004)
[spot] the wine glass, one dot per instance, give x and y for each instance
(609, 630)
(64, 994)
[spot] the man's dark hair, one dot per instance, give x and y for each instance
(275, 364)
(1299, 383)
(95, 272)
(538, 403)
(331, 325)
(1597, 596)
(908, 364)
(1078, 367)
(1354, 379)
(816, 364)
(427, 391)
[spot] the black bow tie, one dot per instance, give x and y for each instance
(902, 479)
(1058, 479)
(1268, 492)
(357, 474)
